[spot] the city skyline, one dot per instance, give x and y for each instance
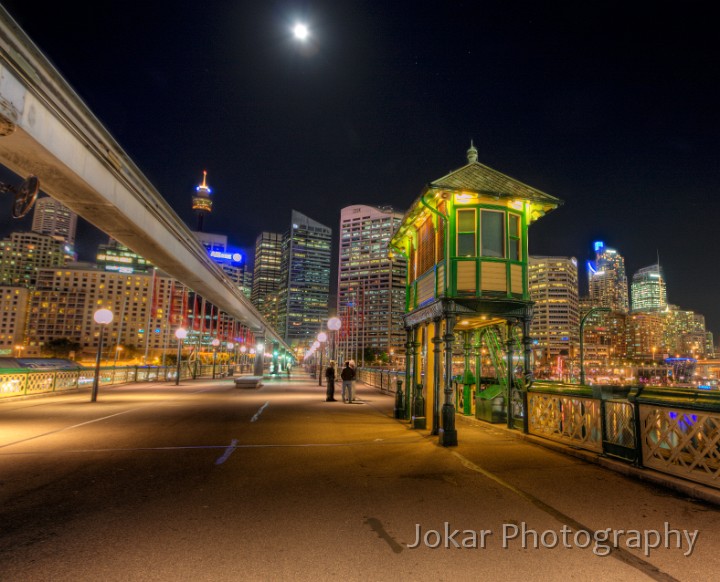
(611, 112)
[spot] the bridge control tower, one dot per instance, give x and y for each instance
(202, 204)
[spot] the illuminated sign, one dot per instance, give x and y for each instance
(234, 256)
(126, 270)
(598, 245)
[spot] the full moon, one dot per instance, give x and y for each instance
(300, 31)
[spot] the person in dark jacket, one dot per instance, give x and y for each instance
(348, 377)
(330, 380)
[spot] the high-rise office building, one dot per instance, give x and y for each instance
(371, 284)
(303, 301)
(648, 291)
(553, 285)
(268, 276)
(52, 218)
(607, 281)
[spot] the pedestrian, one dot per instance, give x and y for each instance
(353, 365)
(347, 375)
(330, 379)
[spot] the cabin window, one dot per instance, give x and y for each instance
(493, 234)
(466, 233)
(515, 252)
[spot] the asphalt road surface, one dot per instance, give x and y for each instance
(208, 482)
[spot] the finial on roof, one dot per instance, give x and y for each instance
(204, 182)
(472, 153)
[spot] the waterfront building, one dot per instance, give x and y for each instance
(553, 286)
(465, 239)
(303, 299)
(684, 333)
(607, 280)
(13, 307)
(648, 290)
(64, 301)
(371, 284)
(268, 276)
(52, 218)
(23, 253)
(645, 333)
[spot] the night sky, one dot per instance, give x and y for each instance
(611, 106)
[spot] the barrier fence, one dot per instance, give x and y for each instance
(27, 382)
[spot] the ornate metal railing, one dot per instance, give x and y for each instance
(384, 379)
(674, 431)
(680, 433)
(569, 415)
(28, 382)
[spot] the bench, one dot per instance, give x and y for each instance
(253, 382)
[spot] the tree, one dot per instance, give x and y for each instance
(60, 347)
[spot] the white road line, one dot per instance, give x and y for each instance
(259, 412)
(65, 428)
(229, 451)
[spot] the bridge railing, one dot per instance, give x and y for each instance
(671, 430)
(382, 378)
(27, 382)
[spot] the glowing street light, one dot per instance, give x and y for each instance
(334, 324)
(243, 358)
(180, 334)
(322, 338)
(102, 317)
(215, 344)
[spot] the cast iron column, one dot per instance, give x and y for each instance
(409, 372)
(437, 363)
(418, 417)
(527, 360)
(448, 434)
(510, 373)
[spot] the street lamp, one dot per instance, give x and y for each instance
(231, 357)
(322, 338)
(582, 342)
(19, 350)
(334, 324)
(118, 349)
(215, 344)
(243, 349)
(180, 334)
(102, 317)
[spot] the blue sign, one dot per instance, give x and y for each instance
(231, 256)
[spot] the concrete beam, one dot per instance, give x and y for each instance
(48, 131)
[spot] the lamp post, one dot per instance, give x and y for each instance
(102, 317)
(243, 349)
(322, 338)
(215, 344)
(118, 349)
(334, 324)
(180, 334)
(19, 350)
(231, 358)
(582, 342)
